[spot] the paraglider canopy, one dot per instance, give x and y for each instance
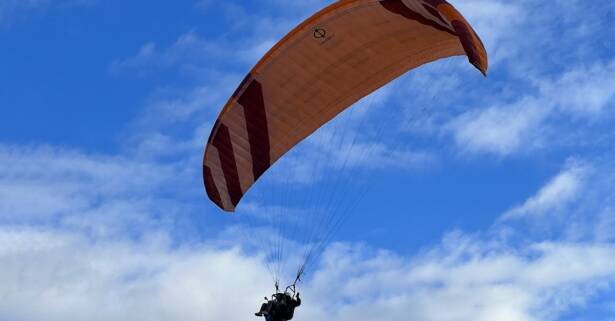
(330, 61)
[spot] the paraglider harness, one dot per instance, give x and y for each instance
(291, 289)
(282, 304)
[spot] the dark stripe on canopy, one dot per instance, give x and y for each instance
(210, 186)
(435, 13)
(258, 129)
(398, 7)
(222, 142)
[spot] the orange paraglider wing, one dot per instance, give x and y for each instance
(330, 61)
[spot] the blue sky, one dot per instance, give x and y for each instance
(491, 197)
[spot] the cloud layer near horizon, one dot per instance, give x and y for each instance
(509, 272)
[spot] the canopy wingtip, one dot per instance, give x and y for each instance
(481, 66)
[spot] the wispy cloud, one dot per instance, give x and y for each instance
(530, 122)
(501, 130)
(473, 278)
(253, 33)
(10, 10)
(586, 92)
(193, 55)
(575, 205)
(72, 278)
(101, 194)
(557, 193)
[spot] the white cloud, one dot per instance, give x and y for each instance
(180, 107)
(557, 193)
(575, 205)
(500, 130)
(534, 121)
(189, 51)
(478, 282)
(73, 278)
(74, 274)
(583, 91)
(105, 195)
(254, 34)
